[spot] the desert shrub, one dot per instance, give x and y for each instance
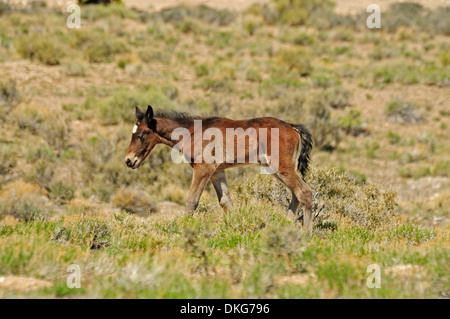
(298, 12)
(442, 168)
(253, 75)
(337, 197)
(393, 137)
(133, 201)
(74, 68)
(259, 48)
(170, 90)
(222, 40)
(30, 118)
(262, 187)
(44, 48)
(201, 70)
(22, 200)
(437, 21)
(98, 46)
(289, 107)
(7, 163)
(338, 193)
(337, 97)
(105, 49)
(410, 14)
(341, 34)
(177, 15)
(296, 60)
(324, 81)
(62, 192)
(9, 97)
(402, 14)
(401, 111)
(410, 74)
(5, 8)
(277, 87)
(56, 131)
(94, 153)
(414, 172)
(53, 127)
(120, 106)
(324, 128)
(383, 51)
(93, 13)
(216, 84)
(351, 123)
(152, 55)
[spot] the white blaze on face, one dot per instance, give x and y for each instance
(135, 128)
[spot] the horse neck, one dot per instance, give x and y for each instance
(166, 126)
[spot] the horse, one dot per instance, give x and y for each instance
(213, 144)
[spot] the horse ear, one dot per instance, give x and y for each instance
(149, 114)
(139, 114)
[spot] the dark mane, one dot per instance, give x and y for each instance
(180, 117)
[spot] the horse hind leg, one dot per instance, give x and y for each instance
(301, 194)
(291, 213)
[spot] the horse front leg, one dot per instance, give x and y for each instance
(199, 180)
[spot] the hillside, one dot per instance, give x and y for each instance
(376, 102)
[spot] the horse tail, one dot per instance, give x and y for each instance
(306, 143)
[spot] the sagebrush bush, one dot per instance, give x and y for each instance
(325, 128)
(22, 200)
(261, 187)
(410, 14)
(44, 48)
(4, 7)
(177, 15)
(8, 162)
(133, 201)
(352, 123)
(9, 97)
(296, 60)
(401, 111)
(117, 10)
(120, 106)
(30, 117)
(74, 68)
(9, 94)
(298, 12)
(336, 97)
(335, 195)
(98, 46)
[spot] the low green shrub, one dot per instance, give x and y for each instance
(296, 60)
(403, 112)
(120, 106)
(22, 200)
(133, 201)
(44, 48)
(337, 198)
(178, 14)
(298, 12)
(74, 68)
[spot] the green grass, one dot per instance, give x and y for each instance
(214, 255)
(374, 100)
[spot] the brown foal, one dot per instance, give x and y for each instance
(282, 147)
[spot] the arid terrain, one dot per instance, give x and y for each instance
(376, 101)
